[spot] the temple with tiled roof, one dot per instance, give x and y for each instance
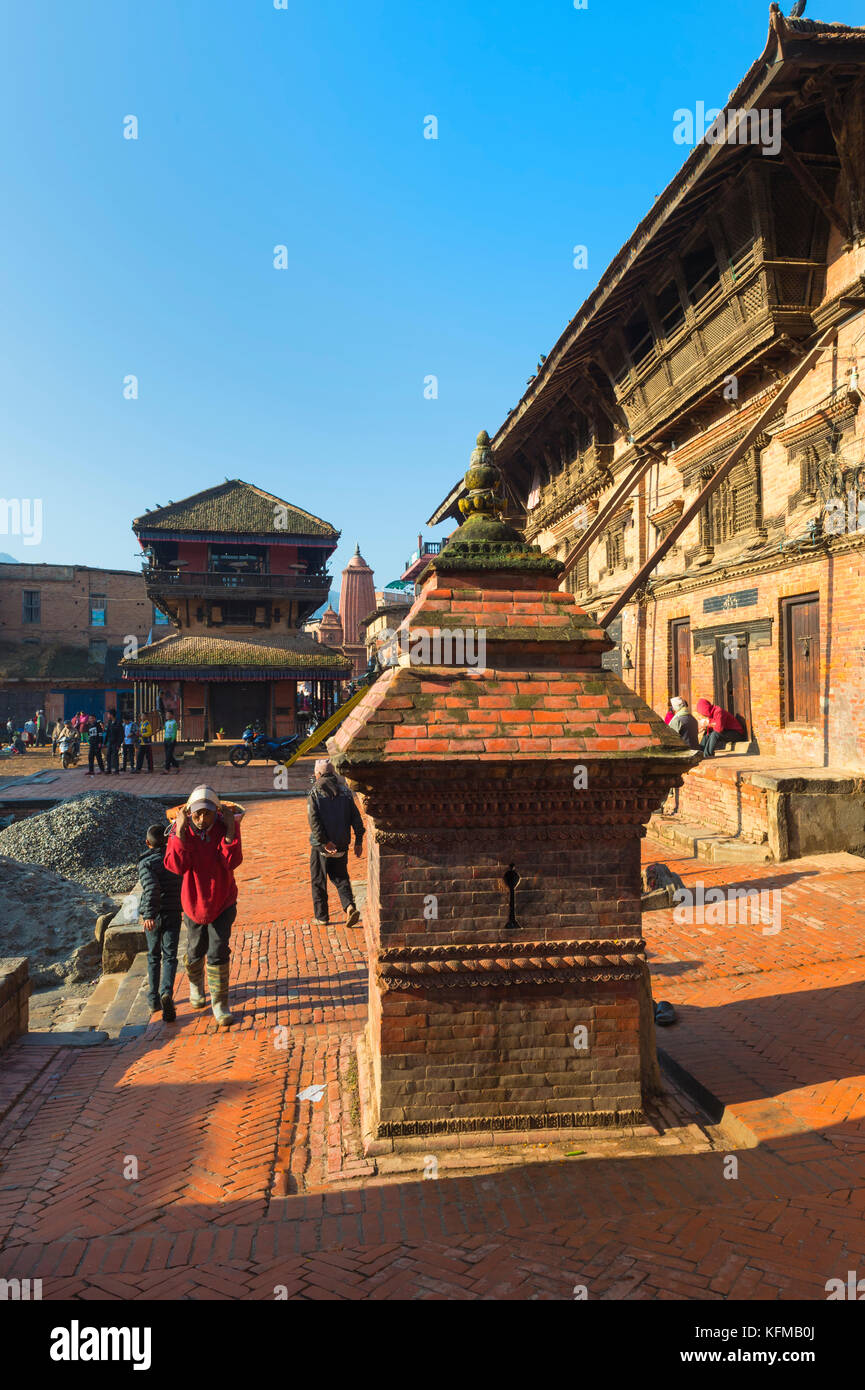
(235, 571)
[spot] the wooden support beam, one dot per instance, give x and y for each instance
(738, 452)
(624, 489)
(812, 189)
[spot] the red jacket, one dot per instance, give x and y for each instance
(719, 719)
(206, 868)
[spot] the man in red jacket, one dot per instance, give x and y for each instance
(719, 726)
(204, 849)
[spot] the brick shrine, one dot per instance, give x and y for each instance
(467, 773)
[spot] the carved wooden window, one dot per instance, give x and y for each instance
(701, 271)
(670, 309)
(638, 336)
(615, 549)
(735, 507)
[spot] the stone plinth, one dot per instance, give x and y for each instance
(483, 1017)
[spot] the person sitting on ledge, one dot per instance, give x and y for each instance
(719, 726)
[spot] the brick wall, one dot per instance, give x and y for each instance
(838, 738)
(451, 1056)
(15, 991)
(65, 604)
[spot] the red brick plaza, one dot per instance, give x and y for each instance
(245, 1190)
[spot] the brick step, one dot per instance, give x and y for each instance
(714, 846)
(128, 1012)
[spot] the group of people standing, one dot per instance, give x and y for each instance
(109, 738)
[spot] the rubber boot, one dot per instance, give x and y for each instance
(195, 971)
(217, 982)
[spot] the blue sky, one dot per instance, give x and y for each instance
(407, 257)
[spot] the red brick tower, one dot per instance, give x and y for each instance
(356, 602)
(330, 628)
(508, 980)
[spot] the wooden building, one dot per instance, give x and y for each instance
(237, 571)
(684, 352)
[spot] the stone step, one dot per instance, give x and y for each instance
(129, 1011)
(704, 843)
(100, 1001)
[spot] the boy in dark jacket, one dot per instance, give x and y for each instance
(204, 848)
(160, 912)
(333, 814)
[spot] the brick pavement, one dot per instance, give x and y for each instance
(245, 1191)
(257, 777)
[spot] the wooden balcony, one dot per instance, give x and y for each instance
(755, 303)
(212, 584)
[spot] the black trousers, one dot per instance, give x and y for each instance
(113, 758)
(145, 751)
(94, 753)
(170, 760)
(210, 938)
(162, 954)
(321, 868)
(129, 756)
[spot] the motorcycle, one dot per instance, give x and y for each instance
(69, 750)
(256, 744)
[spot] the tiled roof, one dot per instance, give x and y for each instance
(232, 508)
(193, 651)
(541, 695)
(25, 661)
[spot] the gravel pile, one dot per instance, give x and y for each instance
(95, 839)
(50, 920)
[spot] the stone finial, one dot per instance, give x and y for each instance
(483, 481)
(483, 540)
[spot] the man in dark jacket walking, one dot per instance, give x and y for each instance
(333, 814)
(160, 912)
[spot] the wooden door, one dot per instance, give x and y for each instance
(733, 680)
(681, 681)
(802, 659)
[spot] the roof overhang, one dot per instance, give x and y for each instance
(789, 44)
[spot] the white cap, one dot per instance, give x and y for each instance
(202, 796)
(677, 702)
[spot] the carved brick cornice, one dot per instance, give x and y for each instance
(665, 518)
(568, 1119)
(508, 963)
(833, 411)
(490, 840)
(770, 564)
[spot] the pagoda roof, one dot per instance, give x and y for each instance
(234, 508)
(248, 657)
(791, 45)
(543, 697)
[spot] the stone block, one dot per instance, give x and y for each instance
(120, 946)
